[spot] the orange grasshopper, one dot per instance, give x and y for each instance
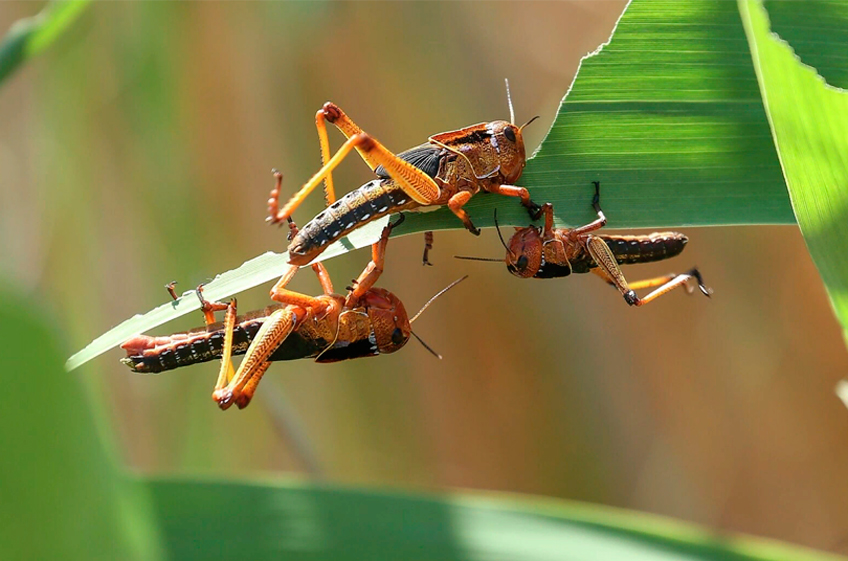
(324, 328)
(547, 252)
(446, 170)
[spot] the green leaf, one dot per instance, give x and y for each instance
(62, 495)
(280, 520)
(29, 37)
(816, 31)
(668, 117)
(809, 119)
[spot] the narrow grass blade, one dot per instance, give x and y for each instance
(30, 36)
(267, 267)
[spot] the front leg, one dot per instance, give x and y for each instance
(534, 210)
(455, 203)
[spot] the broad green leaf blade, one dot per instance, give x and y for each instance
(267, 267)
(63, 496)
(669, 118)
(816, 31)
(30, 36)
(208, 520)
(810, 124)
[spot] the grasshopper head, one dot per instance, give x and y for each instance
(389, 320)
(524, 252)
(509, 145)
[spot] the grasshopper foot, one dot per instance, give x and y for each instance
(534, 210)
(223, 397)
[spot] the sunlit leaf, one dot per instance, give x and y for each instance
(668, 117)
(810, 123)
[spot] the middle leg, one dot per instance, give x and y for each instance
(428, 245)
(533, 209)
(374, 268)
(597, 224)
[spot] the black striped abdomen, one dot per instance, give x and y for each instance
(645, 248)
(200, 348)
(200, 345)
(373, 200)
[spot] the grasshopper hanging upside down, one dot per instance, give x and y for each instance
(547, 252)
(376, 324)
(446, 170)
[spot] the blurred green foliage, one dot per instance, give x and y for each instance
(27, 38)
(64, 496)
(273, 520)
(137, 151)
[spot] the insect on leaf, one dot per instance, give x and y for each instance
(668, 117)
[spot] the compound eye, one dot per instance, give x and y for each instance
(397, 336)
(509, 133)
(521, 263)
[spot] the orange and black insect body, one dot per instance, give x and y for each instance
(627, 250)
(350, 334)
(446, 170)
(370, 202)
(367, 322)
(547, 252)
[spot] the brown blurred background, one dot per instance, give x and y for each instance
(137, 150)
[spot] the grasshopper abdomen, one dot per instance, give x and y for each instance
(373, 200)
(645, 248)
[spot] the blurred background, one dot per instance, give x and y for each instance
(137, 150)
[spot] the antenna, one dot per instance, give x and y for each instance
(498, 228)
(509, 99)
(426, 346)
(430, 301)
(521, 128)
(492, 259)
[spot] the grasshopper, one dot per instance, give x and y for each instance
(377, 323)
(549, 252)
(448, 169)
